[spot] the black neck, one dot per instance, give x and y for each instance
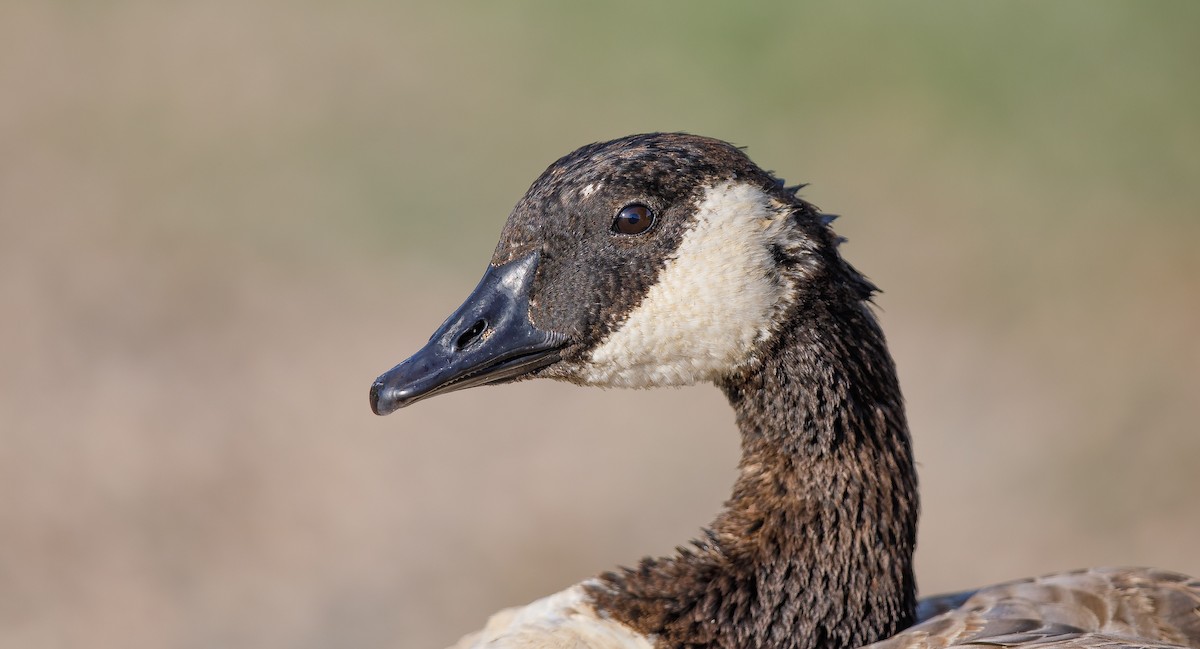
(814, 549)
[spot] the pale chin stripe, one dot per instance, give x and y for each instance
(714, 302)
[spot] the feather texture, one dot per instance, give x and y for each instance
(741, 283)
(1099, 607)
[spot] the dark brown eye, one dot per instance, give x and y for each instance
(633, 219)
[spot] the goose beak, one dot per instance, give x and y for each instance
(489, 339)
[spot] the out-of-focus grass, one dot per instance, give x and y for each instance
(219, 221)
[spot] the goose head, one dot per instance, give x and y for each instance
(650, 260)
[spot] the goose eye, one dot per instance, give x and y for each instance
(633, 219)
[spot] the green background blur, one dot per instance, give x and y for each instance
(219, 221)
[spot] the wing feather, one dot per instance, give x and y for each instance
(1100, 608)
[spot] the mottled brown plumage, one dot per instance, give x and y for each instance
(814, 549)
(1100, 607)
(815, 546)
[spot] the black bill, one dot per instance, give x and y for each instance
(489, 339)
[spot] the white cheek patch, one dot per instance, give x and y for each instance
(713, 302)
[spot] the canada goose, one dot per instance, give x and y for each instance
(670, 259)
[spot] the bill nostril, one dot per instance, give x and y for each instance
(470, 335)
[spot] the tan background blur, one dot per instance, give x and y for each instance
(220, 221)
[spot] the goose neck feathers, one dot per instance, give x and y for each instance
(670, 259)
(815, 546)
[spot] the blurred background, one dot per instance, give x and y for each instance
(220, 221)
